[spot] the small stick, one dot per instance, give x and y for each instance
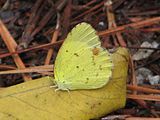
(54, 38)
(11, 45)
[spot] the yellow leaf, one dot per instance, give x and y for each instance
(35, 100)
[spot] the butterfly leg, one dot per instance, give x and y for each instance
(67, 90)
(53, 86)
(56, 89)
(64, 89)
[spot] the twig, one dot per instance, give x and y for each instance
(7, 67)
(66, 18)
(33, 48)
(141, 118)
(44, 68)
(143, 89)
(11, 45)
(54, 38)
(112, 23)
(89, 11)
(33, 20)
(144, 97)
(43, 21)
(140, 24)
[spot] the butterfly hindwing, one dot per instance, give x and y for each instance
(81, 62)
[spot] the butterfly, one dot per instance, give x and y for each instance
(81, 62)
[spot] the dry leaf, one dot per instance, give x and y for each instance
(35, 100)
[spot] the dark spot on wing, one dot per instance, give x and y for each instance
(93, 58)
(77, 66)
(95, 51)
(63, 81)
(97, 74)
(66, 50)
(100, 67)
(76, 54)
(87, 80)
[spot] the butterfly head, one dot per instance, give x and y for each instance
(62, 85)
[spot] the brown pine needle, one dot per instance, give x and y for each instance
(144, 97)
(39, 69)
(141, 118)
(143, 89)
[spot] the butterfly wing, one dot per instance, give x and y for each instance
(81, 62)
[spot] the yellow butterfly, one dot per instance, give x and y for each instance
(81, 62)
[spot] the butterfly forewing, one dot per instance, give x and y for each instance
(81, 62)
